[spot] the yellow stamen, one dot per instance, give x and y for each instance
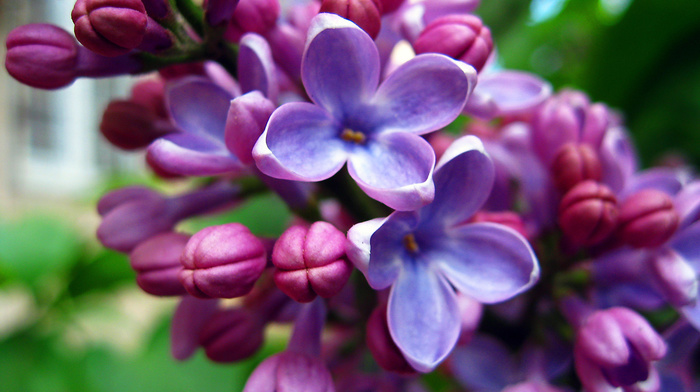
(353, 136)
(409, 241)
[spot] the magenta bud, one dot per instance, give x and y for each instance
(157, 9)
(616, 348)
(219, 11)
(648, 219)
(382, 346)
(222, 262)
(389, 6)
(588, 213)
(157, 264)
(290, 371)
(462, 37)
(365, 13)
(42, 56)
(253, 16)
(573, 164)
(109, 27)
(231, 335)
(151, 94)
(129, 125)
(311, 261)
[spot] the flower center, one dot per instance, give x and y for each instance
(353, 136)
(409, 241)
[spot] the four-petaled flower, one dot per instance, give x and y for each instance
(426, 255)
(375, 129)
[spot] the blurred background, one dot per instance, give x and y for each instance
(71, 316)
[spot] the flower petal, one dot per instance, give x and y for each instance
(487, 261)
(186, 100)
(256, 69)
(301, 142)
(484, 364)
(387, 250)
(686, 243)
(357, 247)
(463, 180)
(340, 65)
(510, 92)
(189, 318)
(423, 316)
(396, 169)
(423, 95)
(246, 121)
(192, 155)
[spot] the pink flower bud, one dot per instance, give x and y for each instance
(648, 219)
(382, 346)
(615, 348)
(389, 6)
(222, 262)
(575, 163)
(129, 125)
(311, 261)
(365, 13)
(42, 56)
(231, 335)
(110, 27)
(253, 16)
(157, 264)
(588, 213)
(462, 37)
(151, 94)
(290, 372)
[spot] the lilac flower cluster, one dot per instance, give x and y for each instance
(516, 253)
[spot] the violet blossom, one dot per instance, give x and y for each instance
(375, 129)
(428, 254)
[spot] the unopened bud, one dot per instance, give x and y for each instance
(253, 16)
(365, 13)
(157, 264)
(129, 125)
(648, 219)
(222, 262)
(311, 261)
(42, 56)
(462, 37)
(575, 163)
(231, 335)
(110, 27)
(588, 213)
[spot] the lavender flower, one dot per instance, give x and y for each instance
(423, 254)
(375, 129)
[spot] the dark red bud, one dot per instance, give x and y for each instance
(575, 163)
(588, 213)
(648, 219)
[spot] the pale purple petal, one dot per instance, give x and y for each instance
(246, 121)
(340, 65)
(387, 249)
(486, 261)
(358, 246)
(511, 92)
(662, 179)
(618, 158)
(301, 142)
(256, 68)
(674, 277)
(198, 106)
(687, 243)
(423, 316)
(425, 94)
(189, 318)
(463, 180)
(687, 203)
(485, 364)
(192, 155)
(395, 169)
(692, 314)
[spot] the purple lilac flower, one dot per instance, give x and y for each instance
(507, 93)
(375, 129)
(426, 255)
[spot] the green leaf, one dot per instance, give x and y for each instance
(36, 247)
(104, 271)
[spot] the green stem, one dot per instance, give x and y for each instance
(193, 14)
(361, 207)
